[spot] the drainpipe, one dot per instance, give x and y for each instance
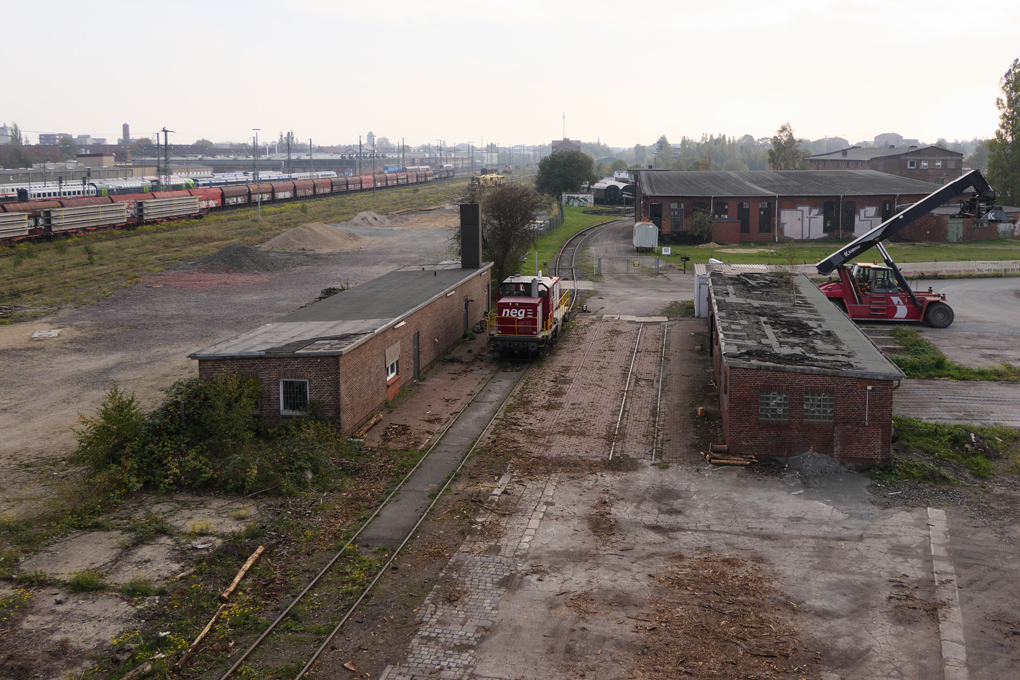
(841, 217)
(778, 225)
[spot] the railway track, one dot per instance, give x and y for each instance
(344, 620)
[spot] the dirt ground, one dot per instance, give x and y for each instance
(548, 559)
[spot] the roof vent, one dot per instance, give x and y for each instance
(844, 152)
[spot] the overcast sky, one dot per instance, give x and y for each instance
(624, 71)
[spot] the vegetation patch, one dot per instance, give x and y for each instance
(941, 453)
(922, 359)
(677, 310)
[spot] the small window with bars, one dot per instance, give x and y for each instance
(773, 406)
(293, 397)
(819, 407)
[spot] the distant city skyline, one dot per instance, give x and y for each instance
(475, 71)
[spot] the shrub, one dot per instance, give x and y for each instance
(204, 434)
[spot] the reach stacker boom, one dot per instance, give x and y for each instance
(880, 293)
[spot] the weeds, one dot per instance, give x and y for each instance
(925, 449)
(86, 581)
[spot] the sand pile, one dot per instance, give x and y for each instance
(317, 237)
(371, 219)
(239, 259)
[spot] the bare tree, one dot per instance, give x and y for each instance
(507, 213)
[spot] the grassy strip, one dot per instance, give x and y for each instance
(38, 277)
(790, 252)
(922, 359)
(574, 220)
(923, 451)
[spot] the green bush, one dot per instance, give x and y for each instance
(205, 434)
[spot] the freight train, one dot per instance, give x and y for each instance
(528, 317)
(117, 203)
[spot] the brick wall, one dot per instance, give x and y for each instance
(353, 387)
(862, 427)
(763, 218)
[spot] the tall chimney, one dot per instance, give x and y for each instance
(470, 236)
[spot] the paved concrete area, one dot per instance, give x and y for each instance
(399, 516)
(947, 401)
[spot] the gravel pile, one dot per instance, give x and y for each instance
(316, 237)
(371, 219)
(240, 259)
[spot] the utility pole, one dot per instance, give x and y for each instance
(358, 168)
(258, 181)
(290, 166)
(166, 157)
(311, 163)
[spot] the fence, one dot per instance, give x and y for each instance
(637, 264)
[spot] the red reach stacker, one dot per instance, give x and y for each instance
(880, 293)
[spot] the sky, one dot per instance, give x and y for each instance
(519, 72)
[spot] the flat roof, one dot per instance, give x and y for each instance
(340, 322)
(797, 183)
(777, 321)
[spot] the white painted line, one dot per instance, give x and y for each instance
(954, 649)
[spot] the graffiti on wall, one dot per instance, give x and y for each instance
(578, 200)
(867, 219)
(802, 222)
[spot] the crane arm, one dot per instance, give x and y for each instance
(980, 203)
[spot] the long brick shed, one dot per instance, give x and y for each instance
(352, 351)
(794, 373)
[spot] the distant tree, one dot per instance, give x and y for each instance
(942, 143)
(663, 153)
(979, 158)
(618, 164)
(786, 153)
(735, 165)
(678, 164)
(68, 149)
(507, 212)
(1004, 148)
(204, 142)
(564, 171)
(640, 154)
(144, 141)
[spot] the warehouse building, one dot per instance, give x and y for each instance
(928, 164)
(795, 375)
(771, 206)
(350, 352)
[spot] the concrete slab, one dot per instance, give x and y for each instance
(397, 519)
(95, 550)
(214, 516)
(949, 401)
(153, 562)
(85, 621)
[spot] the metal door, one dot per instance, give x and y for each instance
(744, 215)
(655, 214)
(849, 223)
(414, 356)
(955, 234)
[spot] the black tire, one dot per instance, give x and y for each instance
(939, 315)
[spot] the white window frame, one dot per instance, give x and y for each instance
(924, 165)
(911, 165)
(292, 412)
(393, 369)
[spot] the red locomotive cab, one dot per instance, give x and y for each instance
(528, 315)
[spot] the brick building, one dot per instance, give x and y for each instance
(352, 351)
(771, 206)
(928, 164)
(796, 378)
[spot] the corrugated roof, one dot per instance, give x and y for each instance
(777, 321)
(778, 183)
(338, 323)
(857, 153)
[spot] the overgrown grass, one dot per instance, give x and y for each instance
(86, 581)
(84, 269)
(676, 310)
(925, 452)
(574, 220)
(922, 359)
